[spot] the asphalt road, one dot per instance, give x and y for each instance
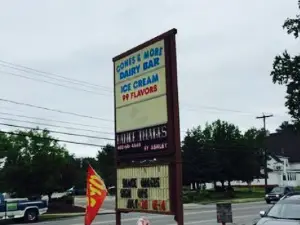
(243, 214)
(108, 205)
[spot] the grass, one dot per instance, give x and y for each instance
(210, 196)
(240, 195)
(59, 216)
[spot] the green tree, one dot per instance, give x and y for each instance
(80, 165)
(106, 165)
(35, 164)
(208, 153)
(199, 164)
(220, 152)
(286, 71)
(288, 127)
(252, 158)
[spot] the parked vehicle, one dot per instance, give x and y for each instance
(76, 191)
(284, 212)
(277, 193)
(25, 209)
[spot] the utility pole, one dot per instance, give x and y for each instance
(264, 117)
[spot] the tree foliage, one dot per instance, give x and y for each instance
(220, 152)
(286, 71)
(106, 165)
(34, 163)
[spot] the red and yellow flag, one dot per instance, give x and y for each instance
(96, 193)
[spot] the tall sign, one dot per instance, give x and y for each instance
(147, 129)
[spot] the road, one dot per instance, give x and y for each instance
(243, 214)
(108, 205)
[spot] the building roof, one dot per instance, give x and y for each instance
(286, 144)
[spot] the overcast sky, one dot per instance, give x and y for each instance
(225, 54)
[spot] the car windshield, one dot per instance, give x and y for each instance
(285, 210)
(277, 190)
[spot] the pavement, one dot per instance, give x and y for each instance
(243, 214)
(107, 207)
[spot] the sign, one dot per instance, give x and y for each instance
(143, 221)
(143, 140)
(147, 129)
(144, 189)
(141, 87)
(224, 213)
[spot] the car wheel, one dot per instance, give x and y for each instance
(268, 202)
(31, 215)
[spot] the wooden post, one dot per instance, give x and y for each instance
(118, 218)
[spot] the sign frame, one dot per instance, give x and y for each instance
(172, 155)
(171, 95)
(171, 193)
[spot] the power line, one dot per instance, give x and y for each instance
(53, 78)
(80, 82)
(58, 132)
(53, 139)
(50, 125)
(54, 110)
(51, 120)
(55, 75)
(49, 82)
(19, 75)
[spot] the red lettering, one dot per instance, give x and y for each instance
(163, 206)
(151, 89)
(147, 90)
(144, 91)
(125, 97)
(154, 204)
(144, 204)
(159, 205)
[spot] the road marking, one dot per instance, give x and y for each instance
(212, 220)
(186, 214)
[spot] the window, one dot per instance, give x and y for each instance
(285, 210)
(292, 176)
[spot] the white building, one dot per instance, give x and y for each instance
(280, 172)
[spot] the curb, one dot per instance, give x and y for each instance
(234, 201)
(76, 214)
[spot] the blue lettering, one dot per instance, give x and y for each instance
(126, 63)
(146, 81)
(126, 88)
(153, 52)
(130, 72)
(151, 63)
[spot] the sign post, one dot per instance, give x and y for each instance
(147, 134)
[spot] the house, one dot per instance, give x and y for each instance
(281, 171)
(284, 163)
